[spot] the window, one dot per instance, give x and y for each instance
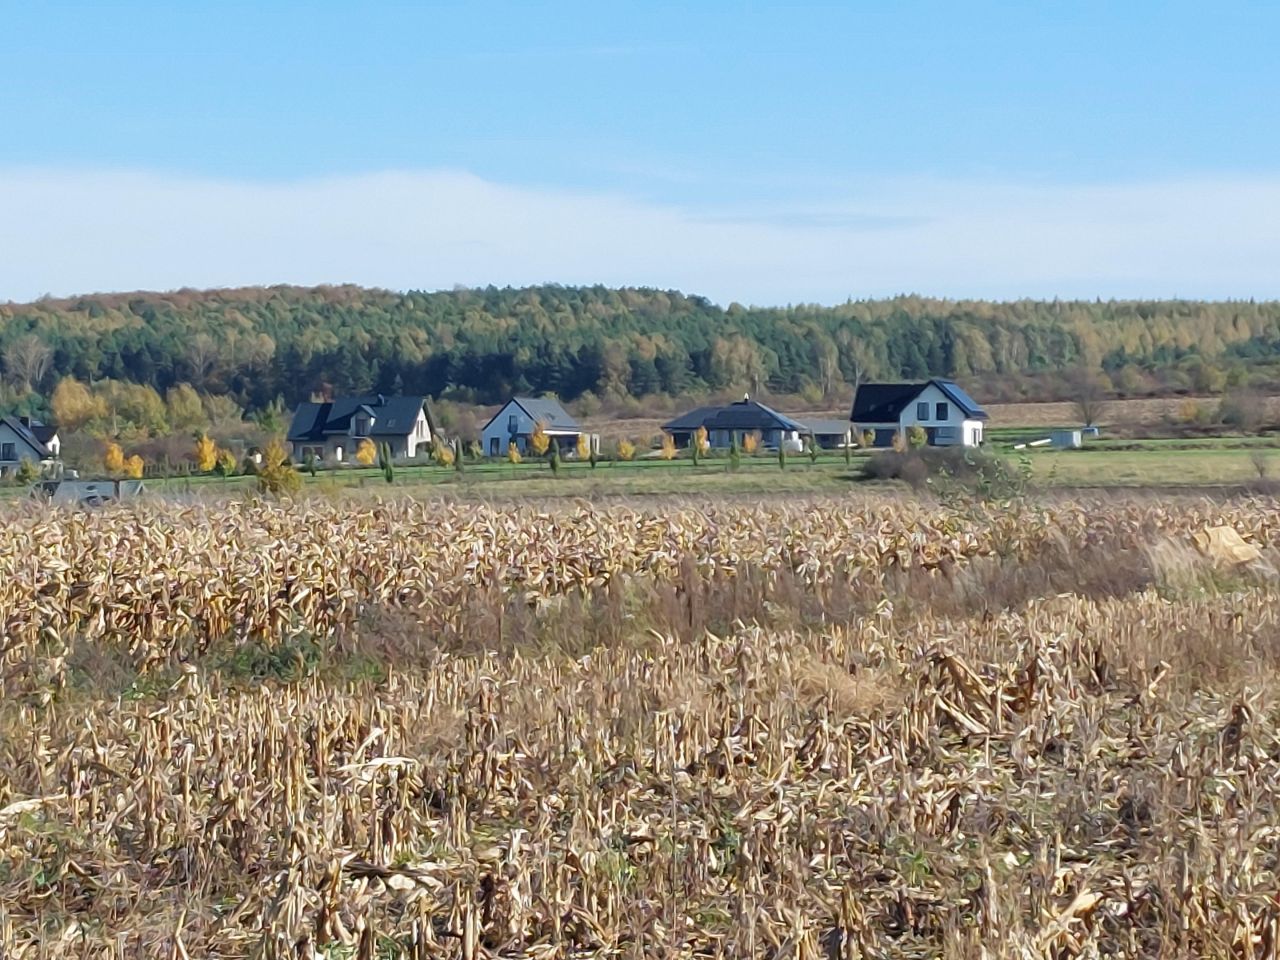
(7, 452)
(943, 413)
(493, 446)
(922, 411)
(362, 426)
(513, 424)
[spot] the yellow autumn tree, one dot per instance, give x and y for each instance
(584, 447)
(366, 453)
(700, 440)
(539, 439)
(276, 475)
(513, 452)
(206, 453)
(74, 404)
(626, 449)
(668, 451)
(113, 458)
(443, 454)
(751, 443)
(133, 467)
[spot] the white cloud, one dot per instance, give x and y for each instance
(78, 231)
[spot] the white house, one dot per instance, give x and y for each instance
(518, 418)
(334, 430)
(948, 415)
(22, 438)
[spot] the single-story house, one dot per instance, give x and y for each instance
(334, 430)
(830, 434)
(949, 416)
(734, 421)
(22, 438)
(520, 416)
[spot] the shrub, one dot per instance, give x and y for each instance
(206, 453)
(27, 472)
(917, 437)
(668, 447)
(366, 453)
(539, 439)
(972, 468)
(113, 458)
(276, 476)
(626, 449)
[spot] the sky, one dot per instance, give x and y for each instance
(760, 153)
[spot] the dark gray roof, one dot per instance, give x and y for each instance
(884, 402)
(828, 428)
(27, 436)
(548, 412)
(544, 410)
(742, 415)
(691, 420)
(392, 416)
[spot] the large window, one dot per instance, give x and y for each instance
(942, 412)
(922, 411)
(513, 424)
(8, 452)
(362, 426)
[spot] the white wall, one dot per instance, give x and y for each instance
(955, 427)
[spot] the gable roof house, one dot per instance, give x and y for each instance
(948, 415)
(22, 438)
(735, 420)
(334, 430)
(517, 419)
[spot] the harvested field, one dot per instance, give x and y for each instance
(827, 729)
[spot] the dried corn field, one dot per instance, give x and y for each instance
(829, 728)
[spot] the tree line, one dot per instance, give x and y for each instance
(260, 349)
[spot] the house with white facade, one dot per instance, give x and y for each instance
(948, 415)
(517, 420)
(22, 438)
(332, 431)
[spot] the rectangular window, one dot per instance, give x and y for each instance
(943, 412)
(513, 424)
(922, 411)
(493, 446)
(7, 452)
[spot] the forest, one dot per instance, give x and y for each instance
(262, 349)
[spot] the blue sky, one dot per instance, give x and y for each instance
(755, 152)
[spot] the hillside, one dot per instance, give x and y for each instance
(479, 345)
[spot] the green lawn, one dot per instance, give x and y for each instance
(1156, 464)
(1153, 467)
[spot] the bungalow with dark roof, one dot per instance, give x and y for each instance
(736, 420)
(333, 430)
(520, 416)
(948, 415)
(22, 438)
